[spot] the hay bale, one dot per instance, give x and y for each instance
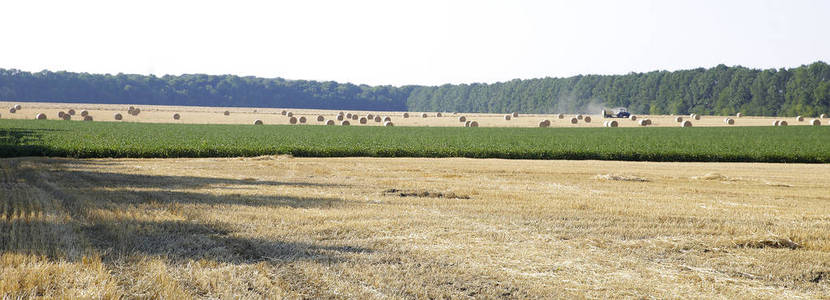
(776, 123)
(560, 116)
(369, 116)
(118, 117)
(387, 119)
(71, 112)
(136, 111)
(378, 119)
(438, 115)
(579, 117)
(423, 115)
(292, 120)
(340, 117)
(84, 113)
(67, 117)
(40, 116)
(388, 124)
(87, 118)
(177, 116)
(544, 123)
(17, 107)
(822, 116)
(574, 120)
(12, 110)
(60, 114)
(632, 118)
(507, 117)
(473, 124)
(612, 123)
(799, 118)
(678, 119)
(515, 114)
(587, 119)
(643, 122)
(349, 116)
(320, 118)
(729, 121)
(345, 123)
(783, 123)
(694, 116)
(302, 120)
(330, 122)
(467, 123)
(462, 119)
(738, 115)
(405, 115)
(815, 122)
(289, 114)
(284, 112)
(227, 113)
(686, 123)
(354, 117)
(363, 120)
(257, 122)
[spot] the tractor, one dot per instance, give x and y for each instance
(619, 112)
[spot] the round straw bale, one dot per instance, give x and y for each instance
(405, 115)
(302, 119)
(341, 113)
(12, 110)
(60, 114)
(515, 114)
(289, 114)
(177, 116)
(729, 121)
(87, 118)
(822, 116)
(345, 123)
(507, 117)
(292, 120)
(227, 113)
(643, 122)
(340, 117)
(648, 121)
(560, 116)
(349, 116)
(544, 123)
(776, 123)
(84, 113)
(369, 116)
(363, 120)
(632, 118)
(320, 118)
(686, 123)
(117, 116)
(284, 112)
(71, 112)
(131, 108)
(136, 111)
(257, 122)
(17, 107)
(423, 115)
(799, 118)
(574, 120)
(579, 116)
(694, 117)
(678, 119)
(388, 124)
(473, 124)
(815, 122)
(438, 115)
(783, 123)
(387, 119)
(587, 119)
(67, 117)
(612, 123)
(40, 116)
(467, 123)
(738, 115)
(378, 119)
(354, 117)
(330, 122)
(462, 119)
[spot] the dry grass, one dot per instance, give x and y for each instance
(273, 227)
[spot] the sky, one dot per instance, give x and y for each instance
(409, 42)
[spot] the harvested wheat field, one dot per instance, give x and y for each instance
(412, 228)
(271, 116)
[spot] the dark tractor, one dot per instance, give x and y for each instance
(619, 112)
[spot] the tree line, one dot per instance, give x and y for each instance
(721, 90)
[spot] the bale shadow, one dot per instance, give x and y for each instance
(15, 142)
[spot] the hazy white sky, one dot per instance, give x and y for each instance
(409, 42)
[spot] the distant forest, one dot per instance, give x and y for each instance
(722, 90)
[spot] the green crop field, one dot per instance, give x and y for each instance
(110, 139)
